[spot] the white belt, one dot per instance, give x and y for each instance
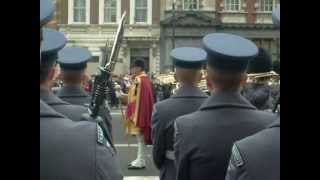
(170, 155)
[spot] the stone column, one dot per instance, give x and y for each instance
(155, 58)
(157, 63)
(125, 55)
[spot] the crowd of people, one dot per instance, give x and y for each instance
(231, 133)
(121, 86)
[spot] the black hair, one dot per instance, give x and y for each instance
(138, 63)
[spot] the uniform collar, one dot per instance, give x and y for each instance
(47, 111)
(189, 92)
(49, 98)
(276, 123)
(223, 99)
(74, 91)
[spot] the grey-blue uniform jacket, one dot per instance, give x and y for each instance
(74, 95)
(78, 96)
(186, 100)
(257, 157)
(73, 112)
(203, 139)
(74, 150)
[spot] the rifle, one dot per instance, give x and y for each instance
(102, 81)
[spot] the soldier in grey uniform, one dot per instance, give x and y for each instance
(259, 92)
(257, 157)
(53, 41)
(72, 150)
(203, 139)
(73, 64)
(188, 98)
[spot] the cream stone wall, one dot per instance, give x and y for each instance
(233, 18)
(96, 36)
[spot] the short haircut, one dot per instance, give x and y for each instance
(225, 80)
(72, 76)
(187, 75)
(44, 70)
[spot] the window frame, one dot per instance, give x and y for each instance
(71, 11)
(133, 13)
(197, 3)
(102, 15)
(229, 10)
(263, 10)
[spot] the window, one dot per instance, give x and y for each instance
(110, 11)
(141, 11)
(265, 5)
(79, 11)
(190, 4)
(232, 5)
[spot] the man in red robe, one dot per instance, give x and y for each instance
(139, 111)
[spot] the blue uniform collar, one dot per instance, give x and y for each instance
(189, 92)
(47, 111)
(276, 123)
(226, 99)
(49, 98)
(72, 91)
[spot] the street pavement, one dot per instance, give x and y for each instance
(127, 151)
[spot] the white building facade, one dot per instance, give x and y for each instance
(194, 19)
(148, 29)
(93, 24)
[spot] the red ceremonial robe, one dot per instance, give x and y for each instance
(141, 116)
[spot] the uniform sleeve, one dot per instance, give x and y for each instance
(105, 125)
(105, 113)
(154, 121)
(236, 169)
(107, 164)
(181, 153)
(158, 139)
